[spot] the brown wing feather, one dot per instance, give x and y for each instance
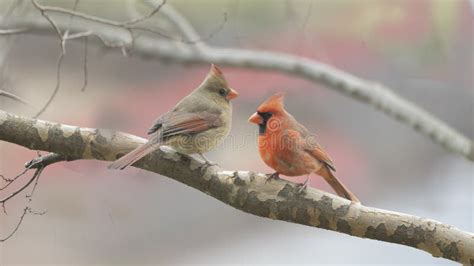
(133, 156)
(189, 123)
(168, 125)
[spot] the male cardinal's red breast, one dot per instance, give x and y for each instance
(290, 149)
(198, 123)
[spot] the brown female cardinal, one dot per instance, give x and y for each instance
(197, 124)
(290, 149)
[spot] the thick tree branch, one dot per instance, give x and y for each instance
(369, 92)
(245, 191)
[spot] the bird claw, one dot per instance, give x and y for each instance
(301, 188)
(274, 176)
(207, 163)
(210, 163)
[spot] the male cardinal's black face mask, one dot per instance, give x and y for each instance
(262, 127)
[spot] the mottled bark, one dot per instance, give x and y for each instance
(246, 191)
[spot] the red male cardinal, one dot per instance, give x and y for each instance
(290, 149)
(197, 124)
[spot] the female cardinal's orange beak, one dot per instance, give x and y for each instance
(256, 119)
(232, 94)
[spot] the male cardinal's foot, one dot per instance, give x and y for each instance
(270, 177)
(302, 187)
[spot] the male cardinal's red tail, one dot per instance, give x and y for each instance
(338, 187)
(133, 156)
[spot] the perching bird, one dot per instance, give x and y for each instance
(290, 149)
(197, 124)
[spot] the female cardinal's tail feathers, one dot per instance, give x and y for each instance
(338, 187)
(133, 156)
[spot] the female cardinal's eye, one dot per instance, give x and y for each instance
(222, 92)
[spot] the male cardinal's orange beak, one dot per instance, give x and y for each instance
(256, 119)
(232, 94)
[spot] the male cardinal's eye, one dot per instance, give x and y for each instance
(222, 92)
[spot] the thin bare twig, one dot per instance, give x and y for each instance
(60, 58)
(26, 210)
(47, 17)
(12, 31)
(213, 33)
(79, 35)
(143, 18)
(85, 71)
(56, 88)
(179, 21)
(35, 185)
(39, 163)
(16, 192)
(190, 34)
(126, 24)
(13, 97)
(9, 181)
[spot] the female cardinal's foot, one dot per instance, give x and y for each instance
(302, 187)
(206, 161)
(275, 176)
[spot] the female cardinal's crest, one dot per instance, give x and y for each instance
(273, 104)
(215, 70)
(215, 78)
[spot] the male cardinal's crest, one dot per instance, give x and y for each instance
(273, 104)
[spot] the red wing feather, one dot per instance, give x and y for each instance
(320, 154)
(312, 147)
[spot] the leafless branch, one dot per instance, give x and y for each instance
(60, 58)
(22, 188)
(244, 190)
(58, 84)
(26, 210)
(39, 163)
(12, 96)
(129, 24)
(369, 92)
(9, 181)
(125, 24)
(180, 22)
(365, 91)
(43, 161)
(85, 71)
(151, 14)
(12, 31)
(190, 34)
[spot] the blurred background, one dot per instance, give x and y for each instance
(421, 49)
